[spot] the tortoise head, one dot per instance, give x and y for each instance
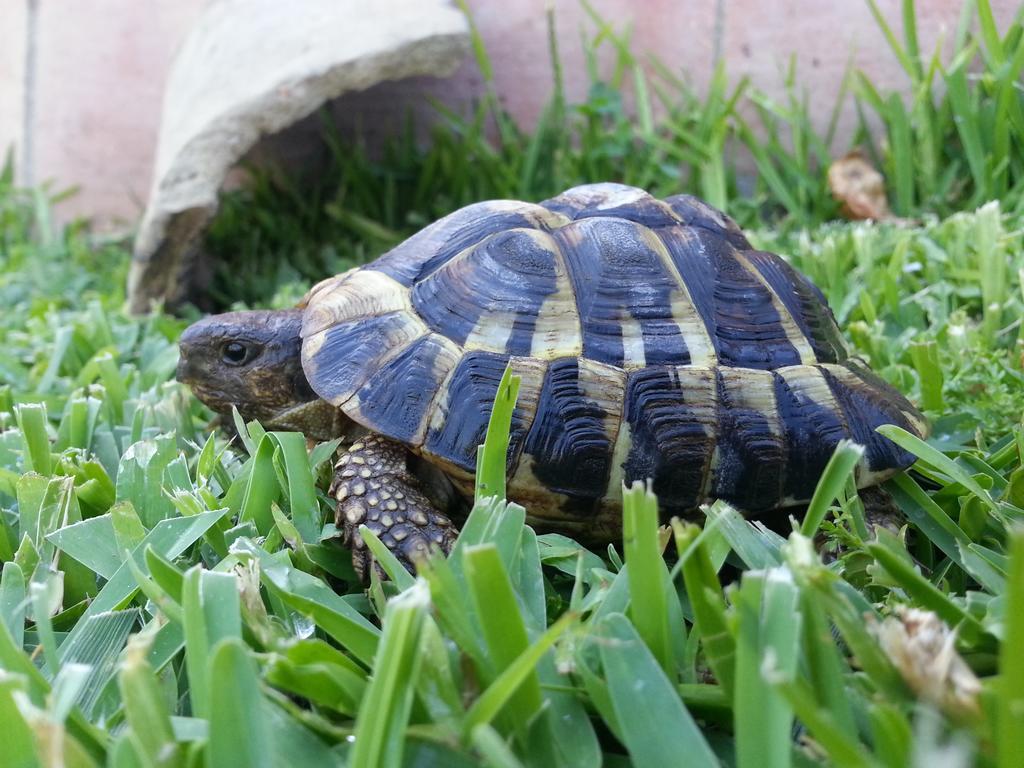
(252, 360)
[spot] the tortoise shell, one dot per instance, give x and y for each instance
(652, 340)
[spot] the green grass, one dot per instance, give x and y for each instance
(170, 599)
(957, 142)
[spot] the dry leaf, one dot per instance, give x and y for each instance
(860, 188)
(921, 646)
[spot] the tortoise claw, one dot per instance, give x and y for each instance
(374, 488)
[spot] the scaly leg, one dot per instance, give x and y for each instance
(373, 487)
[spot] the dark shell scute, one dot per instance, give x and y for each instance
(616, 275)
(694, 259)
(396, 400)
(471, 391)
(747, 324)
(437, 243)
(350, 352)
(671, 426)
(663, 343)
(751, 456)
(510, 273)
(868, 402)
(736, 307)
(805, 303)
(811, 431)
(569, 433)
(694, 212)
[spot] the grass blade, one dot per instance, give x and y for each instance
(19, 743)
(302, 502)
(384, 711)
(313, 597)
(655, 726)
(491, 702)
(936, 459)
(757, 546)
(708, 604)
(767, 638)
(394, 569)
(492, 457)
(646, 571)
(13, 602)
(169, 538)
(833, 480)
(501, 623)
(32, 423)
(239, 732)
(212, 613)
(91, 542)
(924, 591)
(262, 490)
(145, 707)
(41, 595)
(1010, 689)
(98, 647)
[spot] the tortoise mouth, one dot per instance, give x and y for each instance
(202, 386)
(184, 372)
(212, 398)
(191, 371)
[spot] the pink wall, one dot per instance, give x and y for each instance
(100, 66)
(12, 71)
(96, 90)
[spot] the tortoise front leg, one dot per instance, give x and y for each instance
(374, 487)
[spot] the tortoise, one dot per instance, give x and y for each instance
(652, 340)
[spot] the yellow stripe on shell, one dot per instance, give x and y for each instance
(556, 332)
(692, 327)
(808, 382)
(557, 325)
(437, 415)
(360, 293)
(605, 385)
(632, 342)
(918, 422)
(492, 332)
(753, 389)
(324, 285)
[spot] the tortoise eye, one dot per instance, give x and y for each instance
(235, 353)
